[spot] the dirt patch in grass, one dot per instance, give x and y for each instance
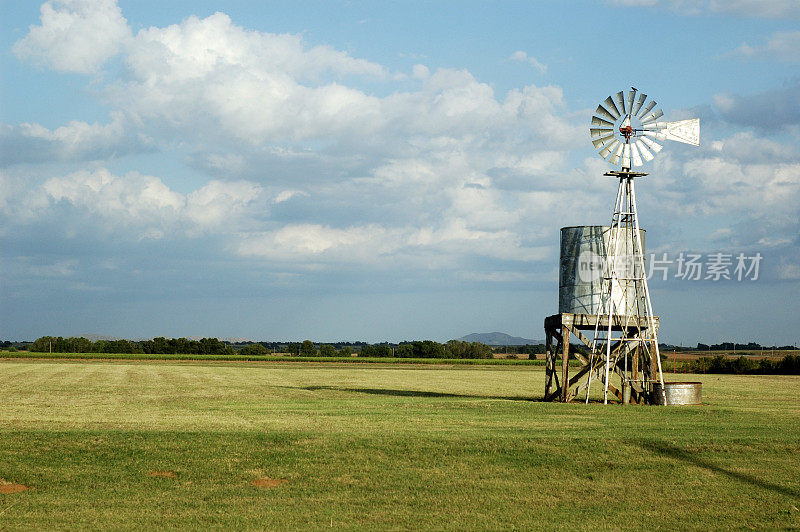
(8, 487)
(163, 474)
(267, 482)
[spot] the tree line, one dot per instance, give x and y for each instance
(160, 345)
(429, 349)
(788, 365)
(307, 348)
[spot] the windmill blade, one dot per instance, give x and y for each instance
(647, 108)
(635, 157)
(621, 102)
(626, 156)
(631, 96)
(686, 131)
(646, 155)
(605, 114)
(605, 152)
(613, 120)
(612, 107)
(603, 141)
(617, 153)
(660, 135)
(597, 121)
(653, 145)
(652, 116)
(638, 105)
(599, 132)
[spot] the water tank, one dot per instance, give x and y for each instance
(677, 393)
(580, 280)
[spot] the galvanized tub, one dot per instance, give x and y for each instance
(582, 265)
(677, 393)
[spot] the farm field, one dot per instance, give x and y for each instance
(255, 445)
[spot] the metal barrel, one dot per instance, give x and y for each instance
(677, 393)
(584, 251)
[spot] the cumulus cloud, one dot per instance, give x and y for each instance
(780, 46)
(142, 205)
(738, 192)
(306, 166)
(755, 8)
(523, 57)
(768, 110)
(213, 80)
(346, 174)
(75, 35)
(76, 141)
(378, 246)
(209, 74)
(747, 147)
(743, 8)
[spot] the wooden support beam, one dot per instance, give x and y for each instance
(579, 335)
(548, 377)
(613, 389)
(565, 367)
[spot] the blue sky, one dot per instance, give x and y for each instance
(381, 171)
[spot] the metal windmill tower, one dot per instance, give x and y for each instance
(625, 129)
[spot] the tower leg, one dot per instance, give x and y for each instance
(564, 365)
(548, 364)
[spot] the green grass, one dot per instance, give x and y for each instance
(275, 358)
(366, 446)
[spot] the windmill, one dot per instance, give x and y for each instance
(616, 305)
(625, 129)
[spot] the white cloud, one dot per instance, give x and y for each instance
(769, 110)
(210, 74)
(315, 242)
(747, 147)
(76, 141)
(286, 195)
(781, 46)
(376, 179)
(309, 168)
(143, 204)
(523, 57)
(378, 246)
(218, 203)
(75, 35)
(420, 72)
(743, 8)
(211, 80)
(755, 8)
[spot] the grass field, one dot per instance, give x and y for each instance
(135, 444)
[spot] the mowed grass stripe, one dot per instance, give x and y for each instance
(383, 448)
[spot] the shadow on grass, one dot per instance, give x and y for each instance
(418, 393)
(671, 451)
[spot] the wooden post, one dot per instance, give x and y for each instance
(565, 335)
(548, 371)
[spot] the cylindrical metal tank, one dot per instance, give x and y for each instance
(677, 393)
(584, 251)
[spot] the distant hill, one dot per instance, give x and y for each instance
(498, 338)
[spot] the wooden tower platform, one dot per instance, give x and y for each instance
(560, 386)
